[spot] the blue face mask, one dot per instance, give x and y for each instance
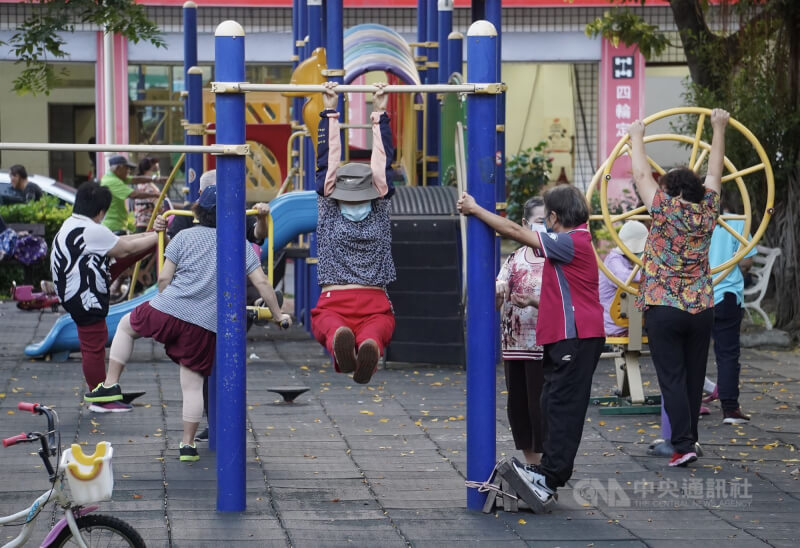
(355, 212)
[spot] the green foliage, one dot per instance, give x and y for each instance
(37, 42)
(527, 173)
(622, 25)
(600, 232)
(46, 211)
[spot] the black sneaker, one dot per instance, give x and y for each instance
(201, 436)
(188, 453)
(734, 417)
(529, 483)
(104, 394)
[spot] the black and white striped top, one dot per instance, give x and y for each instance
(354, 252)
(192, 294)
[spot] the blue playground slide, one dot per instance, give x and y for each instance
(293, 214)
(63, 336)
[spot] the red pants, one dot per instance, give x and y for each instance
(367, 312)
(93, 340)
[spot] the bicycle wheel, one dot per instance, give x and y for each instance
(101, 530)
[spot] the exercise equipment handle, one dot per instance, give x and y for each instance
(30, 407)
(8, 442)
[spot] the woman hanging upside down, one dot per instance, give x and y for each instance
(353, 318)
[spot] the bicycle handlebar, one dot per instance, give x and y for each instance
(31, 407)
(8, 442)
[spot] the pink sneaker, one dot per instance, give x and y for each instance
(711, 397)
(704, 410)
(111, 407)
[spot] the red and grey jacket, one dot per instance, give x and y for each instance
(329, 150)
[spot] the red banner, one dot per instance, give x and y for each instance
(621, 102)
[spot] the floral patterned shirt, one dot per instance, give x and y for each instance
(676, 270)
(143, 207)
(518, 325)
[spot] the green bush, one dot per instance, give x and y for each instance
(527, 173)
(47, 212)
(600, 233)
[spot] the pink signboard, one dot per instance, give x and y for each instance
(621, 102)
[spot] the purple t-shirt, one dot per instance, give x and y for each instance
(621, 267)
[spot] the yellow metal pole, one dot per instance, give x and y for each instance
(270, 250)
(156, 208)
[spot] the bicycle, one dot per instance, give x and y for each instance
(79, 526)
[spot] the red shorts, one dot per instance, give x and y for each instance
(185, 343)
(367, 312)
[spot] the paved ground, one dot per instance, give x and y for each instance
(384, 465)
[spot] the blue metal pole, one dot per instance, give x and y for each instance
(421, 60)
(334, 44)
(311, 289)
(300, 13)
(230, 354)
(422, 37)
(494, 14)
(314, 25)
(481, 182)
(445, 27)
(302, 26)
(194, 166)
(334, 47)
(434, 116)
(315, 37)
(455, 53)
(194, 162)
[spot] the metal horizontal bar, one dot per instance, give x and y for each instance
(76, 147)
(234, 87)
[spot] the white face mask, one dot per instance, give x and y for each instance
(537, 227)
(355, 212)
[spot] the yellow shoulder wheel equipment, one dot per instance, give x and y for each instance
(697, 156)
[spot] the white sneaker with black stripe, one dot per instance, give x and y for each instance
(529, 483)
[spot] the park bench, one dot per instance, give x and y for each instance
(763, 262)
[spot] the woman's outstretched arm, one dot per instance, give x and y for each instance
(467, 206)
(329, 146)
(646, 186)
(719, 121)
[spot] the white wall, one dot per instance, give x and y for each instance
(25, 119)
(538, 93)
(663, 90)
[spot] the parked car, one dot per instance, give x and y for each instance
(48, 186)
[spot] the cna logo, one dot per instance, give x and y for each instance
(588, 492)
(553, 235)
